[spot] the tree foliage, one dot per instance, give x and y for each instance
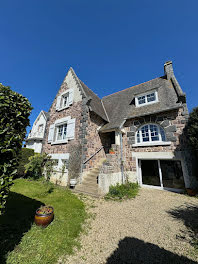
(192, 128)
(23, 156)
(14, 115)
(39, 165)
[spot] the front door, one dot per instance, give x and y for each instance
(166, 174)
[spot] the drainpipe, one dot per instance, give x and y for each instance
(121, 151)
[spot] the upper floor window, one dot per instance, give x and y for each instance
(62, 130)
(40, 128)
(64, 100)
(147, 98)
(150, 133)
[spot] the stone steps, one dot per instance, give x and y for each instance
(89, 184)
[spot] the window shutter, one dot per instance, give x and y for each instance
(51, 133)
(58, 102)
(71, 95)
(71, 129)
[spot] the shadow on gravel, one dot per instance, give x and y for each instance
(189, 215)
(134, 251)
(16, 220)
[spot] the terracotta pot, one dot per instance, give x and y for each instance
(191, 192)
(111, 152)
(44, 219)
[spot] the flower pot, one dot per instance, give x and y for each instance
(191, 192)
(111, 152)
(44, 219)
(73, 182)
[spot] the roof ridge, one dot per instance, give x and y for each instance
(133, 86)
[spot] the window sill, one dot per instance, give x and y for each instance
(59, 142)
(62, 108)
(150, 144)
(148, 103)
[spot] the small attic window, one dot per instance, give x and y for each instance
(145, 99)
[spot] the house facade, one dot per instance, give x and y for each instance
(143, 124)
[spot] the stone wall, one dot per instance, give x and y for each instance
(93, 141)
(173, 123)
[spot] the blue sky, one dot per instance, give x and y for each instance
(110, 44)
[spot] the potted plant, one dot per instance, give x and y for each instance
(111, 151)
(44, 216)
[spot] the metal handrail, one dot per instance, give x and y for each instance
(92, 155)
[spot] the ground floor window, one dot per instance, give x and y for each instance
(162, 173)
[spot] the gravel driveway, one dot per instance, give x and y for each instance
(155, 227)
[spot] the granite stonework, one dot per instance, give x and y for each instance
(113, 121)
(94, 144)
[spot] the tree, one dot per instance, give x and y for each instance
(14, 118)
(192, 128)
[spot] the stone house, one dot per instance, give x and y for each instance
(144, 125)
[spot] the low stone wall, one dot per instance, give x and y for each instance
(105, 180)
(59, 178)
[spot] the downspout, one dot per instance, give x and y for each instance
(121, 152)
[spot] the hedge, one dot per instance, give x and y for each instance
(14, 115)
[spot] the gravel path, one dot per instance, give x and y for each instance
(152, 228)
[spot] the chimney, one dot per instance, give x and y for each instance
(168, 69)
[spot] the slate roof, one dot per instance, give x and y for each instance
(121, 105)
(95, 102)
(46, 114)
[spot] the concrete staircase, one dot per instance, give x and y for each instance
(89, 184)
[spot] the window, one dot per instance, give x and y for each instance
(150, 133)
(55, 163)
(62, 130)
(145, 99)
(40, 128)
(64, 100)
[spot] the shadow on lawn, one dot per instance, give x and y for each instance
(134, 251)
(189, 215)
(17, 220)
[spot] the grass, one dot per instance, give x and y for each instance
(24, 242)
(122, 191)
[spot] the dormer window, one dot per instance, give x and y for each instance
(147, 98)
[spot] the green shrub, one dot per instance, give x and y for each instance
(122, 191)
(14, 115)
(23, 156)
(192, 128)
(38, 164)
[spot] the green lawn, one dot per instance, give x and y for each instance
(23, 242)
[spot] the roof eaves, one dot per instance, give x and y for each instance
(156, 112)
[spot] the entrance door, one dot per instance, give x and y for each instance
(162, 173)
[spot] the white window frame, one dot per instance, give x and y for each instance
(150, 142)
(146, 102)
(70, 134)
(63, 130)
(61, 99)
